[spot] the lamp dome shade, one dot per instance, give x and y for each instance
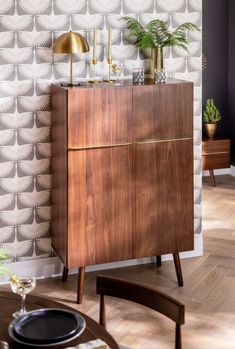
(71, 43)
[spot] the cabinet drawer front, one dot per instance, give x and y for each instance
(100, 205)
(99, 116)
(163, 198)
(215, 161)
(163, 111)
(215, 146)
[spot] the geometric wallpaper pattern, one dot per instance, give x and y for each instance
(27, 68)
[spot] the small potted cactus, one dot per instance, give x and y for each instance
(211, 117)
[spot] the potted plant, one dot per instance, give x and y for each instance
(156, 35)
(211, 117)
(4, 270)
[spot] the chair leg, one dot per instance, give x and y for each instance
(80, 286)
(178, 341)
(158, 261)
(102, 319)
(65, 274)
(178, 268)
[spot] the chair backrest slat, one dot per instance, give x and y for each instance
(144, 295)
(141, 294)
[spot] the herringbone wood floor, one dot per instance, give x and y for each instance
(208, 294)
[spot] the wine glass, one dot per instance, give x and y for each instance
(118, 69)
(22, 285)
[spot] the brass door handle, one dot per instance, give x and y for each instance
(162, 140)
(216, 153)
(101, 146)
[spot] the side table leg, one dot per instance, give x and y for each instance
(65, 274)
(158, 261)
(80, 287)
(212, 177)
(178, 268)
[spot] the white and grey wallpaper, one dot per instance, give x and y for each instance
(27, 68)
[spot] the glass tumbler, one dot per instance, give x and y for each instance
(138, 75)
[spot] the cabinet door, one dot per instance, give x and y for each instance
(100, 205)
(99, 116)
(163, 200)
(163, 111)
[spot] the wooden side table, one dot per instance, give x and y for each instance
(215, 155)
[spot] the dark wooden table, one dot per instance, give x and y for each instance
(10, 302)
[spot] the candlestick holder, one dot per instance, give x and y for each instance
(109, 80)
(94, 80)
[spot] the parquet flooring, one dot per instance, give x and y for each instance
(208, 294)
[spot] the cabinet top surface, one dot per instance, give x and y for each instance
(126, 83)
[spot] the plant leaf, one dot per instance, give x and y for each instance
(156, 33)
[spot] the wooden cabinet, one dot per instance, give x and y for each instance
(122, 171)
(215, 155)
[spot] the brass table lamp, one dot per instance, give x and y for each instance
(71, 43)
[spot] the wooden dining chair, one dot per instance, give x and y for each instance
(141, 294)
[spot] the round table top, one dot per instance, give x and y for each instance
(10, 302)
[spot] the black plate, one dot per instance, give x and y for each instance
(47, 326)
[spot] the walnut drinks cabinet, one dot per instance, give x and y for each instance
(122, 173)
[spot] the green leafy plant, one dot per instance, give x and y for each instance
(211, 113)
(4, 270)
(156, 33)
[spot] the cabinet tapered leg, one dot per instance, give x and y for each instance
(178, 268)
(80, 286)
(212, 177)
(158, 261)
(65, 274)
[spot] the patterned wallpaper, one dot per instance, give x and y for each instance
(27, 68)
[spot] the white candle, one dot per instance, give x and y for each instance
(109, 44)
(94, 44)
